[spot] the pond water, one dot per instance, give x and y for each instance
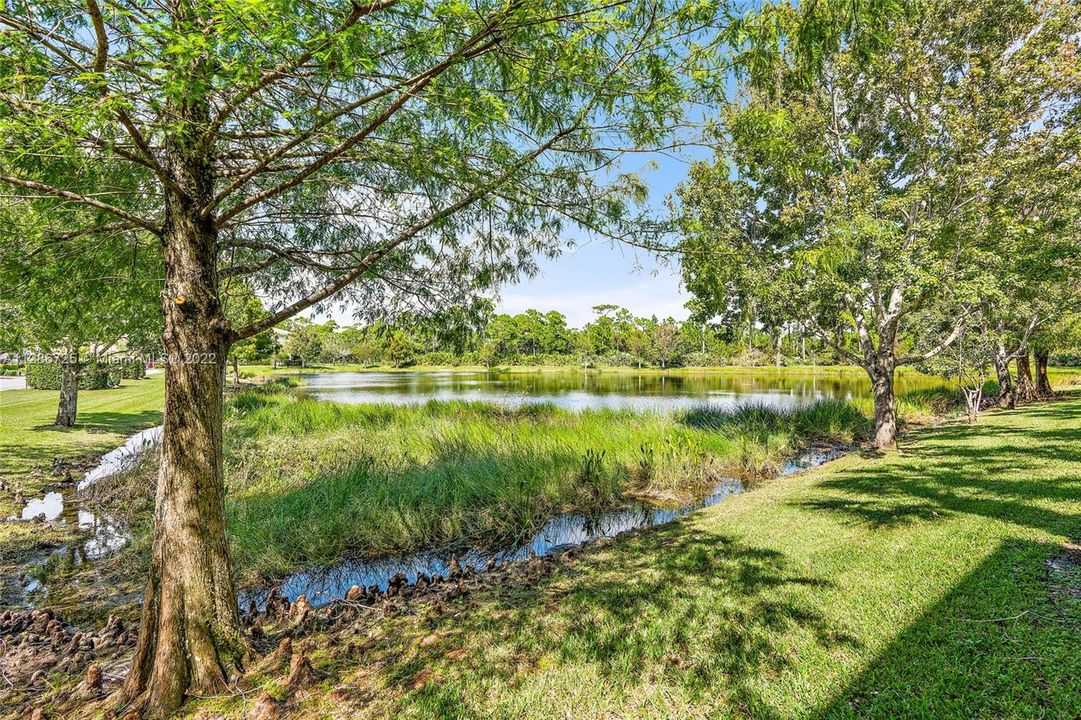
(580, 390)
(572, 529)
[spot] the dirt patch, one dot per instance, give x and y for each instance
(39, 651)
(1064, 576)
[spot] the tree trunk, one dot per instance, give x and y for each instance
(69, 394)
(973, 397)
(236, 371)
(1043, 383)
(190, 639)
(1026, 388)
(885, 403)
(1005, 382)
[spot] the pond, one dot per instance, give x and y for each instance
(578, 390)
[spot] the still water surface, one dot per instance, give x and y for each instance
(581, 390)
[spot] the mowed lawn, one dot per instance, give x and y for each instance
(105, 419)
(926, 583)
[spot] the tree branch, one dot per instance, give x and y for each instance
(1022, 347)
(375, 256)
(958, 326)
(826, 338)
(414, 85)
(76, 197)
(101, 58)
(284, 69)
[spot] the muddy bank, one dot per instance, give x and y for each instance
(39, 646)
(70, 529)
(53, 669)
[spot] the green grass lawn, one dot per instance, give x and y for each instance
(105, 419)
(910, 585)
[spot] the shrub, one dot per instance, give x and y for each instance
(752, 358)
(131, 368)
(617, 359)
(702, 359)
(438, 359)
(1066, 358)
(92, 376)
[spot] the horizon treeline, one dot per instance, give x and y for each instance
(616, 337)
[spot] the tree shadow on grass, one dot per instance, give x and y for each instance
(701, 611)
(106, 422)
(952, 470)
(992, 647)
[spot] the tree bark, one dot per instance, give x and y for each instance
(973, 397)
(881, 373)
(1026, 388)
(1001, 362)
(69, 393)
(1043, 383)
(190, 639)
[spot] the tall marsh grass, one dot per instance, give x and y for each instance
(311, 482)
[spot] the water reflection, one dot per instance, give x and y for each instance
(101, 534)
(50, 506)
(124, 457)
(323, 585)
(581, 390)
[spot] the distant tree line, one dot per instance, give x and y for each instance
(616, 337)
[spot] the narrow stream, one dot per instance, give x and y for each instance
(106, 534)
(326, 584)
(102, 534)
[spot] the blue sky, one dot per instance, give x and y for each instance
(598, 271)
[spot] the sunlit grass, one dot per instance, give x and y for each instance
(311, 481)
(914, 584)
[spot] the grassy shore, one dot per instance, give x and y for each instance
(927, 583)
(311, 481)
(29, 444)
(105, 419)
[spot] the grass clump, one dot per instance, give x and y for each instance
(311, 481)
